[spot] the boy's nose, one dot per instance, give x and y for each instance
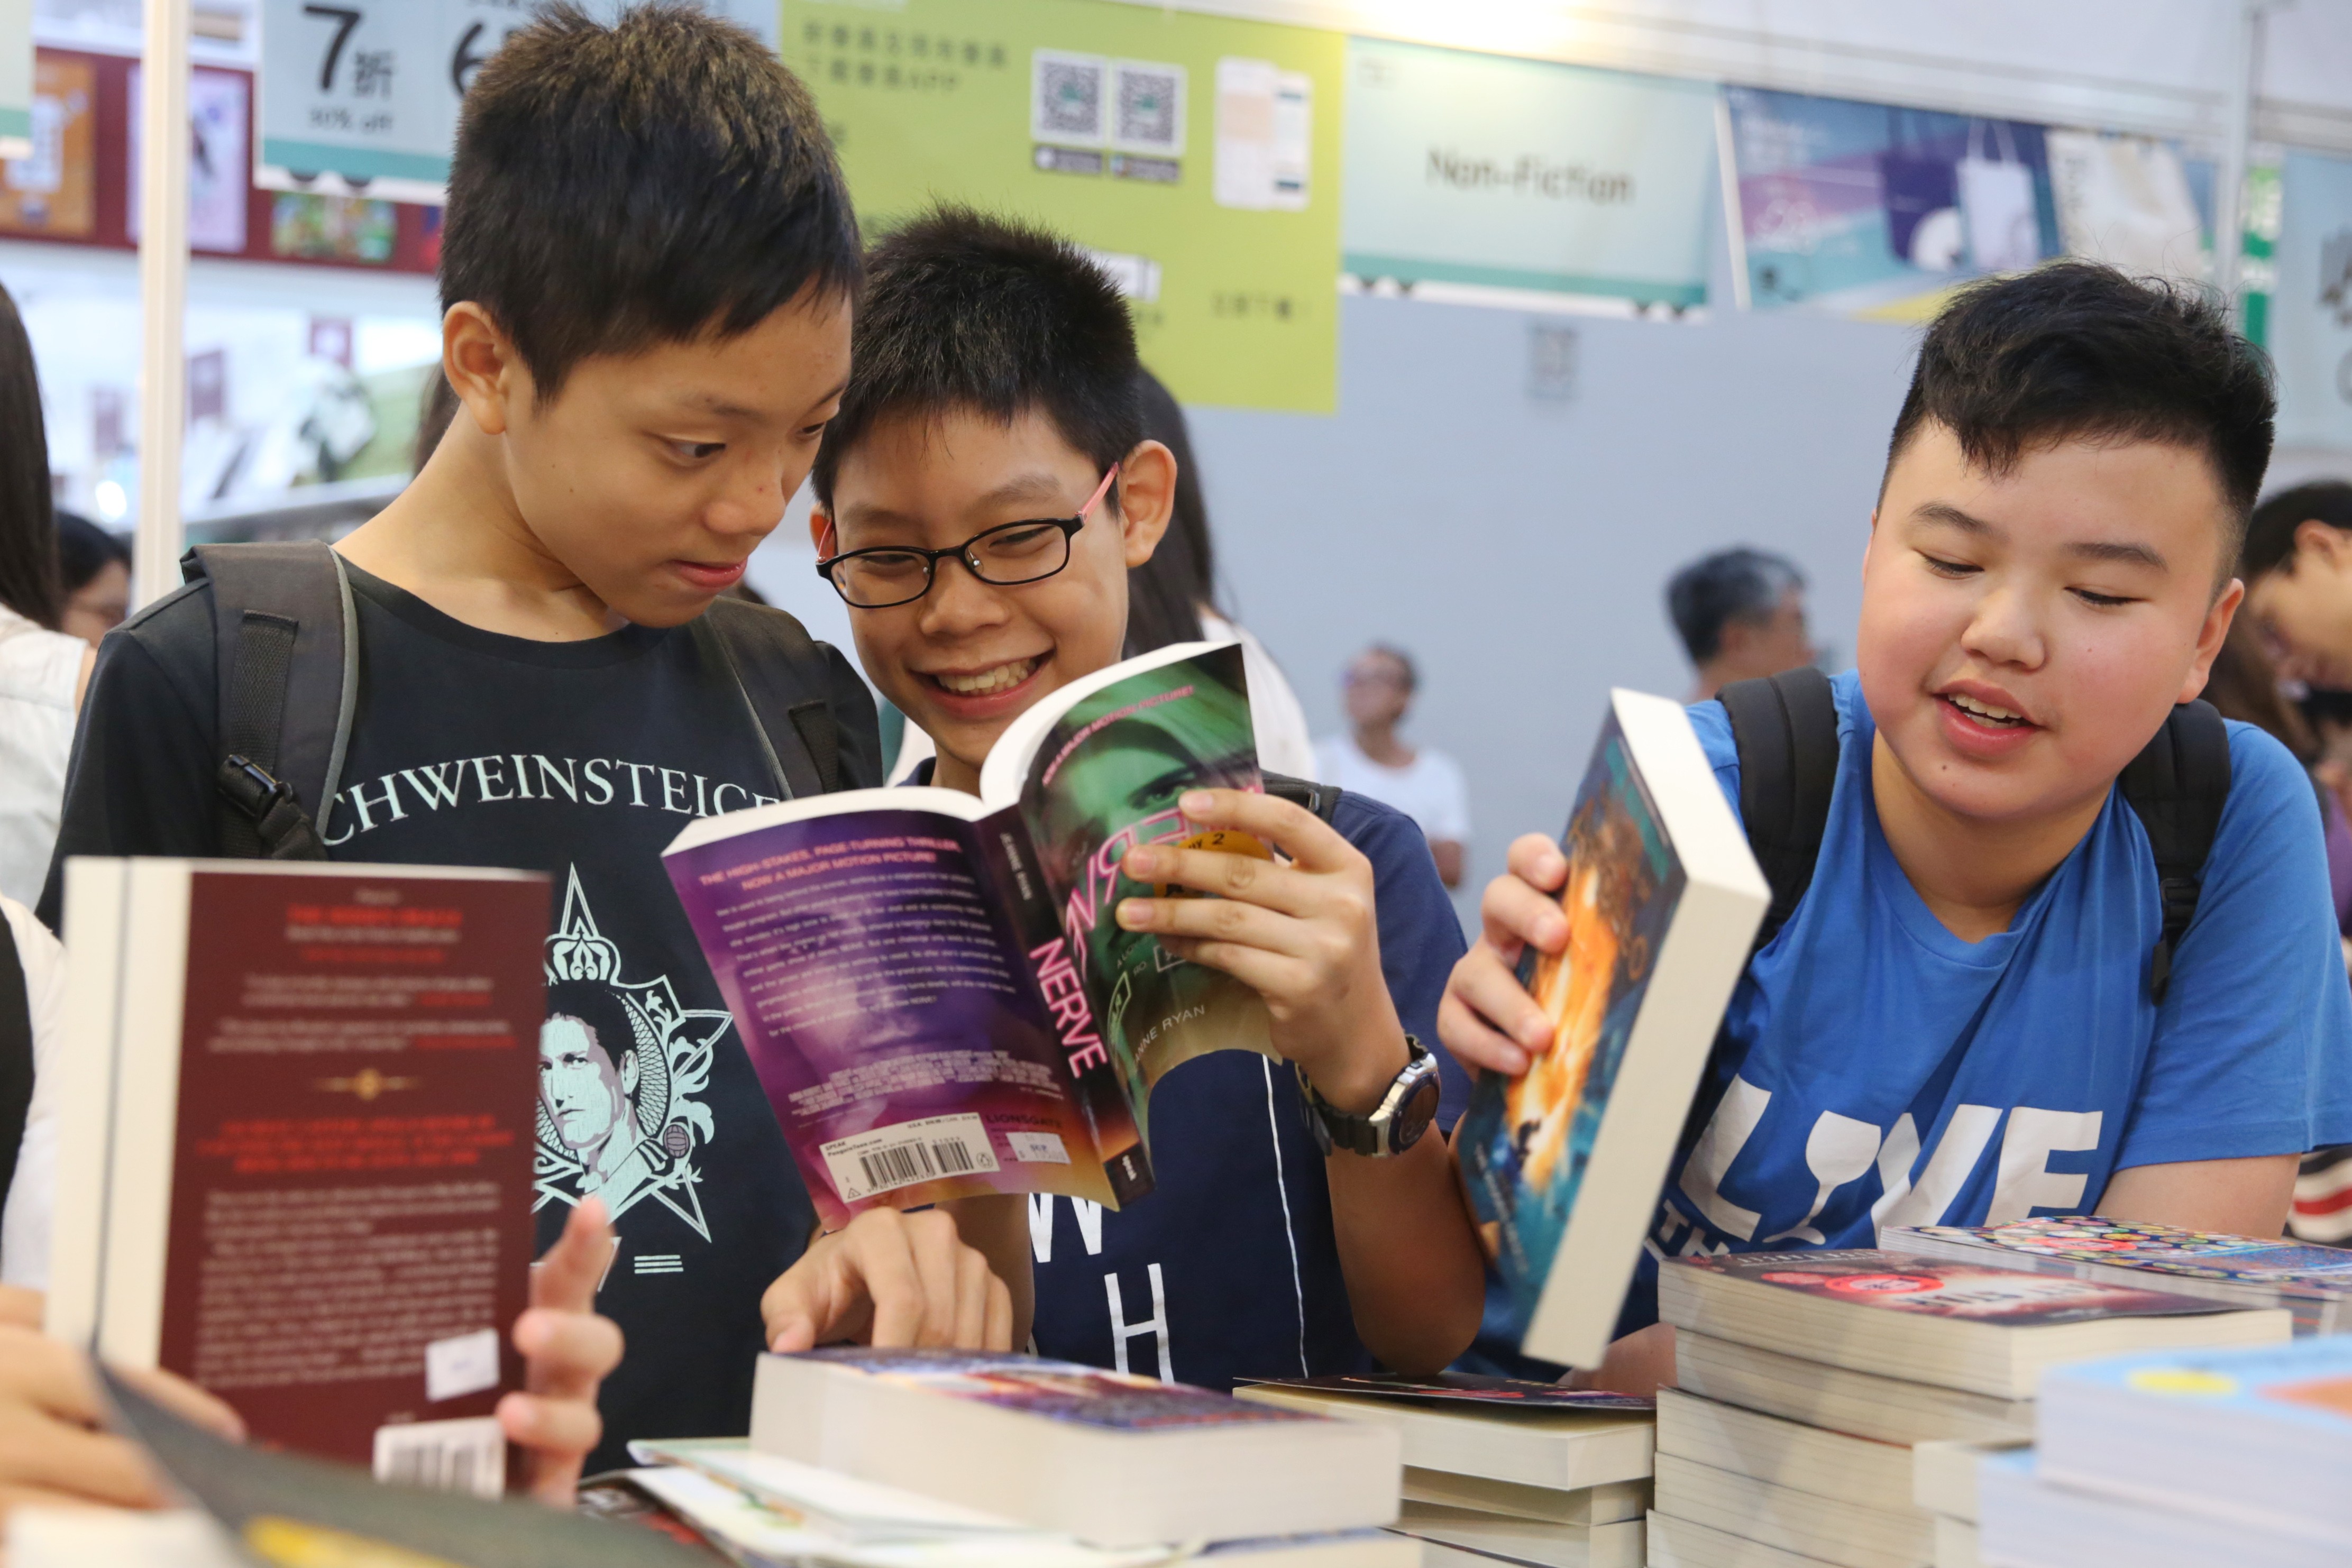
(2005, 630)
(958, 602)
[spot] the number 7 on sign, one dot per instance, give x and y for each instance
(345, 19)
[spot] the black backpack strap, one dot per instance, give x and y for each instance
(2177, 785)
(16, 1054)
(1322, 800)
(287, 679)
(786, 683)
(1785, 729)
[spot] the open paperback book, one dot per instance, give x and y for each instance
(1662, 898)
(934, 985)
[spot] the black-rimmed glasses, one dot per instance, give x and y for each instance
(1007, 556)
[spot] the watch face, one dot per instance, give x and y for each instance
(1413, 1117)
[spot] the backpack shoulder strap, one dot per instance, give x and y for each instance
(287, 672)
(1322, 800)
(787, 688)
(1785, 728)
(2178, 786)
(16, 1058)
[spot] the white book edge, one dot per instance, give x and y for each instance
(95, 962)
(146, 1111)
(895, 797)
(1698, 965)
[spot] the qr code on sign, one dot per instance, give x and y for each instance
(1066, 98)
(1149, 102)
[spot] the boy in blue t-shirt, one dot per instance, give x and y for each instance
(1956, 1026)
(993, 391)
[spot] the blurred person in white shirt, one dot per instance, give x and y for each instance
(1371, 759)
(42, 669)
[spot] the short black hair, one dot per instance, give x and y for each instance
(964, 310)
(1731, 585)
(649, 181)
(1166, 594)
(28, 538)
(2074, 349)
(85, 549)
(2270, 536)
(1401, 658)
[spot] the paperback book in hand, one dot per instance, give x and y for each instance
(295, 1154)
(1662, 899)
(934, 987)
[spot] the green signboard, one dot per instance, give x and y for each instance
(1514, 174)
(1199, 156)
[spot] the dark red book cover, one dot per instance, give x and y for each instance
(351, 1231)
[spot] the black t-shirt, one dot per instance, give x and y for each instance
(581, 759)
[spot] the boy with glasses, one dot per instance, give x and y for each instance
(981, 495)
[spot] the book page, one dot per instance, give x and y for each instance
(1107, 776)
(879, 982)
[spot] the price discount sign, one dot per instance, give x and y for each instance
(362, 95)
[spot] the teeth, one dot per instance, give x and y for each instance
(987, 682)
(1983, 710)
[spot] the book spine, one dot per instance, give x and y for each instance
(1057, 982)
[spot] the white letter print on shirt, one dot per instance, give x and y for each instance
(619, 1118)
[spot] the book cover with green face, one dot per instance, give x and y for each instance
(1107, 777)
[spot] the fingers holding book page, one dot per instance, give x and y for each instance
(893, 1279)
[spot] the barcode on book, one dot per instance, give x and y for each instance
(905, 1153)
(467, 1455)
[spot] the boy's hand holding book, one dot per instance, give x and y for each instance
(1302, 934)
(568, 1351)
(893, 1281)
(1487, 1019)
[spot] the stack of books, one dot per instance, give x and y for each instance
(2313, 1282)
(2180, 1459)
(1944, 1486)
(1500, 1472)
(1804, 1378)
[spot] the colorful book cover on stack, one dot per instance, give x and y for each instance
(2314, 1282)
(1662, 900)
(933, 986)
(1941, 1287)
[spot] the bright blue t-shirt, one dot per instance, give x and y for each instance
(1894, 1074)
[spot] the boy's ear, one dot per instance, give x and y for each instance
(2321, 541)
(2209, 637)
(1147, 498)
(821, 534)
(482, 366)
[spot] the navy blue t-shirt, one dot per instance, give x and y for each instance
(1229, 1268)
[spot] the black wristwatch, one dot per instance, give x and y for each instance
(1395, 1124)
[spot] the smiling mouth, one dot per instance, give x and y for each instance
(1986, 714)
(988, 683)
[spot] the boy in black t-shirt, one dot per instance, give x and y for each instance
(647, 270)
(994, 392)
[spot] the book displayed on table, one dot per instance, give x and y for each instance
(1528, 1473)
(1804, 1375)
(934, 987)
(2028, 1517)
(1944, 1484)
(2313, 1282)
(1662, 900)
(285, 1509)
(295, 1148)
(1931, 1320)
(1110, 1458)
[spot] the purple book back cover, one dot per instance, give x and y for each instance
(879, 991)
